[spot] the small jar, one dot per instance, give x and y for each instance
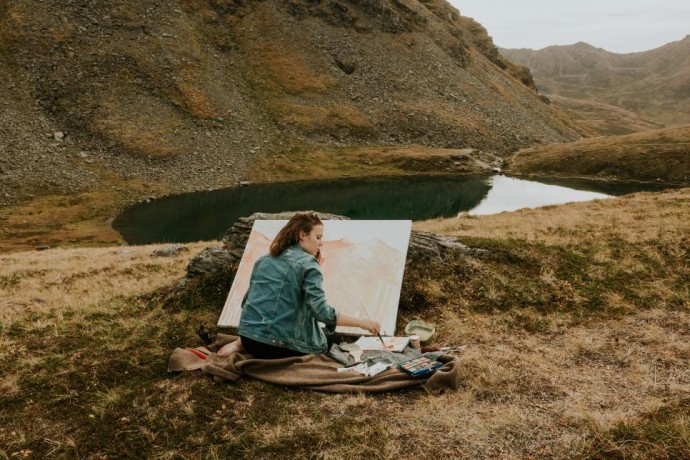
(414, 341)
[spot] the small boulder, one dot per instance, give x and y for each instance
(210, 261)
(169, 251)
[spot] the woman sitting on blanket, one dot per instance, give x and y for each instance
(285, 300)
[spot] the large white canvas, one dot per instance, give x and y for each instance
(362, 262)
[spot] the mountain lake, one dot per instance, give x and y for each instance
(206, 215)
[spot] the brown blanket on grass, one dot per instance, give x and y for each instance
(315, 372)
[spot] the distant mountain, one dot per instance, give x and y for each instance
(654, 84)
(185, 94)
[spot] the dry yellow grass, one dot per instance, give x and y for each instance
(633, 218)
(42, 292)
(83, 355)
(315, 117)
(71, 220)
(310, 163)
(56, 280)
(79, 219)
(281, 63)
(598, 373)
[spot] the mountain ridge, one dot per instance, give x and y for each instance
(655, 84)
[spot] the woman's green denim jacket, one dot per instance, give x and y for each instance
(285, 301)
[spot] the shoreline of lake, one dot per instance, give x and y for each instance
(181, 218)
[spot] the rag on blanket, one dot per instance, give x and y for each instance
(314, 372)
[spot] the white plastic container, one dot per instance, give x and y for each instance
(414, 341)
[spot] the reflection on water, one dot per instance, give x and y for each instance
(608, 188)
(206, 215)
(509, 194)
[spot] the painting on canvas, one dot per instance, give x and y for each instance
(362, 262)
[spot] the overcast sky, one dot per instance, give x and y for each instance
(620, 26)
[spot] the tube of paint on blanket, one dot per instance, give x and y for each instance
(414, 341)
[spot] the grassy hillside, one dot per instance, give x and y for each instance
(605, 119)
(653, 156)
(187, 95)
(106, 104)
(576, 334)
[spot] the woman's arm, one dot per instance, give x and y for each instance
(315, 297)
(352, 321)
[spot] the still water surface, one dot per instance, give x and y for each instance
(206, 215)
(510, 194)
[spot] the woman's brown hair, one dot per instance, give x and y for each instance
(289, 235)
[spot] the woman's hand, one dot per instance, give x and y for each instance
(372, 326)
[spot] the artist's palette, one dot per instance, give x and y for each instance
(368, 343)
(420, 366)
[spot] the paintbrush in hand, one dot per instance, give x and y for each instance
(381, 339)
(366, 312)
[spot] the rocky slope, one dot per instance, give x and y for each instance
(179, 96)
(655, 84)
